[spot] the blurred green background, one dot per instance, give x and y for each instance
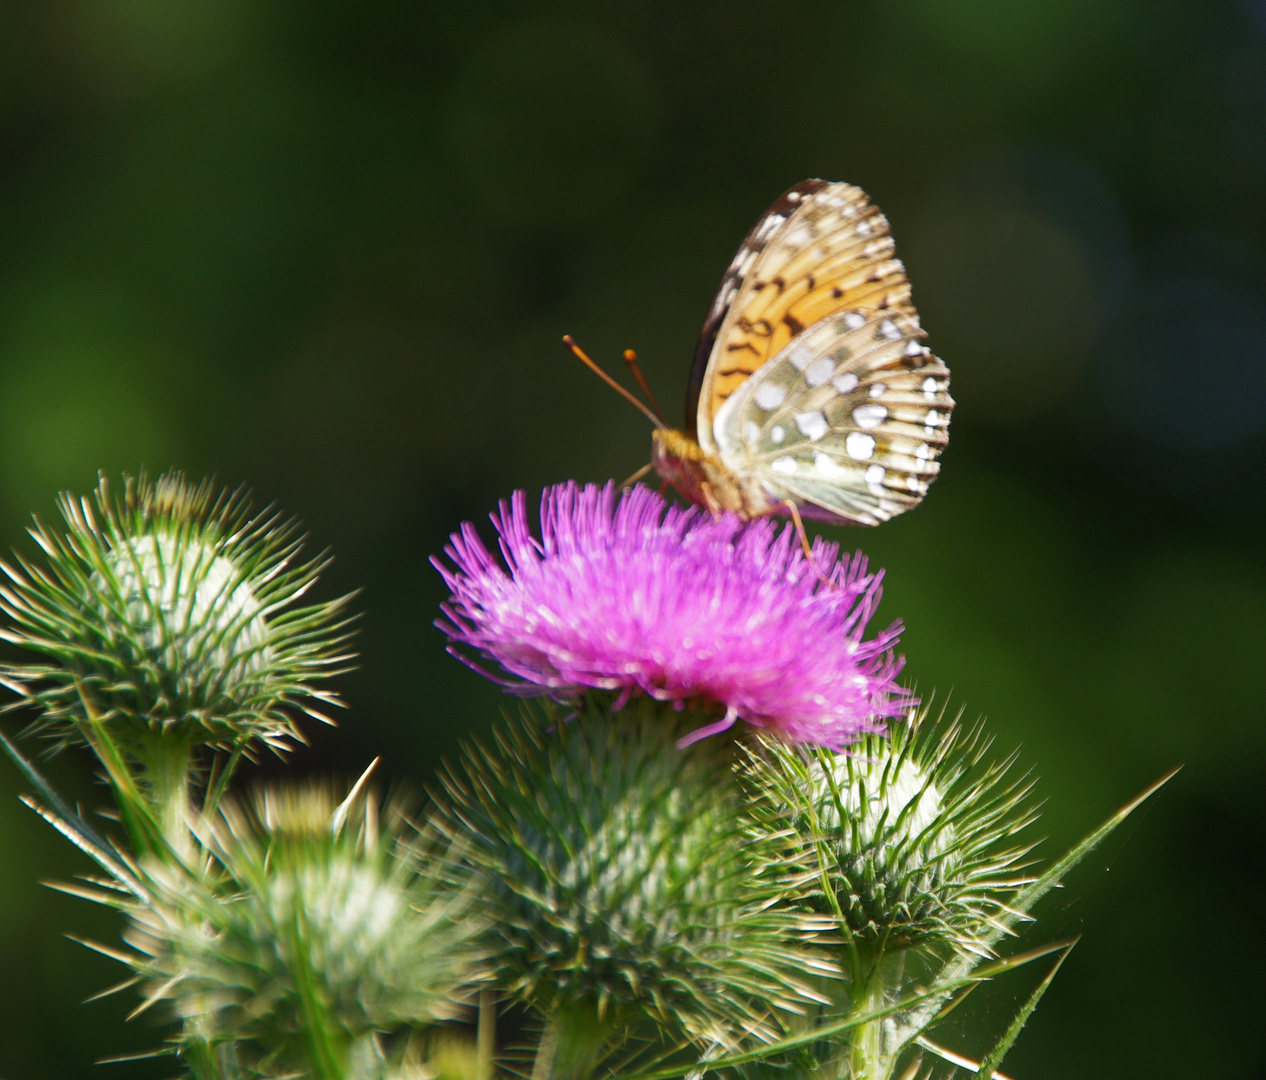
(328, 250)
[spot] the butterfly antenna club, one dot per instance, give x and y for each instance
(580, 355)
(630, 358)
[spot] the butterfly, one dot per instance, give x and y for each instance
(810, 393)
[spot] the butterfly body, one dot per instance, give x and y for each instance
(704, 478)
(810, 386)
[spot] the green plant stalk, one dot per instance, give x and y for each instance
(876, 976)
(571, 1044)
(166, 766)
(326, 1057)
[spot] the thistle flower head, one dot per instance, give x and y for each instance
(170, 607)
(637, 595)
(910, 839)
(316, 922)
(621, 879)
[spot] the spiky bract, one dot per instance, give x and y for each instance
(312, 931)
(910, 840)
(170, 608)
(621, 876)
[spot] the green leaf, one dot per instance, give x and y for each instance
(1028, 897)
(840, 1026)
(49, 794)
(955, 974)
(994, 1058)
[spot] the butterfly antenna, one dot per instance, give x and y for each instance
(630, 358)
(579, 354)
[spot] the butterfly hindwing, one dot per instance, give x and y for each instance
(817, 385)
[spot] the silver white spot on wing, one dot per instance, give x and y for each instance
(769, 396)
(915, 349)
(869, 415)
(859, 446)
(878, 390)
(827, 466)
(799, 357)
(751, 433)
(890, 330)
(874, 474)
(929, 388)
(820, 370)
(813, 425)
(845, 383)
(863, 228)
(924, 452)
(769, 225)
(777, 433)
(854, 320)
(786, 465)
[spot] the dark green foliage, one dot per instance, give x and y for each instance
(623, 877)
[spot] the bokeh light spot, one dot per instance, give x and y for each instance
(82, 393)
(1030, 43)
(1016, 260)
(123, 45)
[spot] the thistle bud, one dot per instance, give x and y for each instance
(316, 929)
(911, 834)
(168, 612)
(622, 883)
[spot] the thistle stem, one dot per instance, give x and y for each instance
(166, 770)
(874, 981)
(570, 1044)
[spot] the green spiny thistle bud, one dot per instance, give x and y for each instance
(314, 930)
(168, 611)
(911, 834)
(622, 880)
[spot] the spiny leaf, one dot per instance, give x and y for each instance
(839, 1027)
(988, 1067)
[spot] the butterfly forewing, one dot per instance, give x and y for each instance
(817, 384)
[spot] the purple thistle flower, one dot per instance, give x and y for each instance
(640, 595)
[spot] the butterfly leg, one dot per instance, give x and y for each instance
(794, 511)
(710, 501)
(638, 475)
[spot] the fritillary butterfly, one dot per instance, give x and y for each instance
(810, 392)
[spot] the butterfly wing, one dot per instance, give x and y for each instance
(815, 382)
